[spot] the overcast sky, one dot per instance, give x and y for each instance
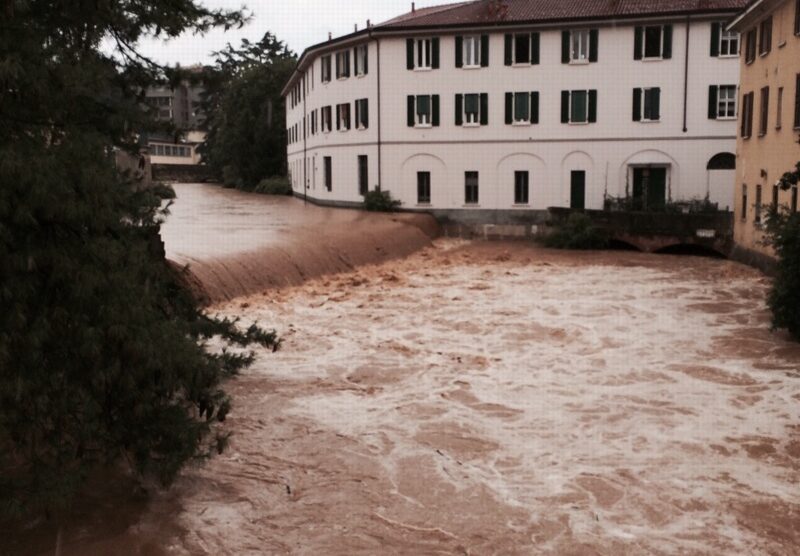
(299, 23)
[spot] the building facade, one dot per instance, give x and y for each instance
(769, 131)
(522, 105)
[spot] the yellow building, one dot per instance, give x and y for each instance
(769, 116)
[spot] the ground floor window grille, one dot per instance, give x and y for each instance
(471, 188)
(521, 184)
(423, 188)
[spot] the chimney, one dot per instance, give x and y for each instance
(355, 28)
(369, 24)
(330, 36)
(413, 7)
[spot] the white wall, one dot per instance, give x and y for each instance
(549, 150)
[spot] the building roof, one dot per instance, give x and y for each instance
(500, 12)
(755, 10)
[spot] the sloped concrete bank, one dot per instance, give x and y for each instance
(235, 244)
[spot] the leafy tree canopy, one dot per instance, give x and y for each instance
(246, 113)
(102, 352)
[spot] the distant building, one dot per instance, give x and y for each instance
(521, 105)
(180, 105)
(769, 134)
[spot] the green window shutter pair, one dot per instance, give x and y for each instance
(411, 116)
(565, 106)
(482, 107)
(532, 106)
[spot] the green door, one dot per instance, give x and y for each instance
(578, 190)
(649, 189)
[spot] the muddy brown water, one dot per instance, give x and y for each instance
(490, 398)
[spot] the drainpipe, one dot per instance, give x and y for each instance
(305, 144)
(378, 69)
(686, 78)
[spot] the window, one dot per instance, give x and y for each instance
(579, 107)
(647, 105)
(423, 111)
(472, 109)
(723, 42)
(360, 54)
(362, 113)
(765, 44)
(579, 46)
(363, 174)
(747, 114)
(764, 114)
(522, 49)
(522, 108)
(744, 203)
(325, 66)
(758, 205)
(472, 52)
(423, 188)
(653, 42)
(779, 115)
(521, 183)
(327, 119)
(343, 64)
(343, 116)
(722, 102)
(797, 18)
(797, 102)
(422, 54)
(775, 197)
(328, 166)
(471, 188)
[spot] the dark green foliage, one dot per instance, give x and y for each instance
(783, 232)
(380, 201)
(578, 232)
(276, 185)
(629, 204)
(102, 354)
(246, 113)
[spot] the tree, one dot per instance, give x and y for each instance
(783, 234)
(245, 112)
(102, 353)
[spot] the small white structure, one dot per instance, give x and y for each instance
(521, 105)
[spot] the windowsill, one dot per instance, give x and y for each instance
(424, 205)
(726, 118)
(727, 56)
(763, 54)
(360, 75)
(579, 62)
(521, 205)
(471, 67)
(361, 128)
(579, 123)
(423, 126)
(782, 44)
(643, 121)
(342, 78)
(521, 65)
(521, 124)
(423, 69)
(470, 125)
(471, 205)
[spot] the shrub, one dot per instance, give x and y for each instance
(783, 234)
(380, 201)
(578, 232)
(276, 185)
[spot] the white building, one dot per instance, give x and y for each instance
(520, 105)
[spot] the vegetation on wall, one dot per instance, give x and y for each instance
(245, 112)
(102, 354)
(783, 233)
(577, 232)
(380, 201)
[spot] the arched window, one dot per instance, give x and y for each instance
(722, 161)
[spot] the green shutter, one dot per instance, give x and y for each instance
(667, 54)
(535, 48)
(509, 108)
(435, 118)
(459, 52)
(410, 54)
(565, 47)
(592, 106)
(638, 43)
(534, 107)
(715, 34)
(459, 110)
(411, 118)
(564, 107)
(509, 47)
(485, 51)
(637, 105)
(435, 56)
(484, 109)
(713, 96)
(366, 59)
(594, 39)
(656, 111)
